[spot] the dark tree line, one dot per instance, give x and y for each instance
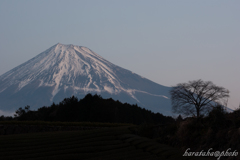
(92, 108)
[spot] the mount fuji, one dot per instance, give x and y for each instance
(65, 70)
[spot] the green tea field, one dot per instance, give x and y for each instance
(113, 143)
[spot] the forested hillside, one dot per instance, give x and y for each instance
(92, 108)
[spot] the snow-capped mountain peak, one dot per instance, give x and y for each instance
(62, 65)
(65, 70)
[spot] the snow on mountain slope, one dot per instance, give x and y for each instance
(65, 70)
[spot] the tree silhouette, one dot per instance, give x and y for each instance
(21, 111)
(196, 97)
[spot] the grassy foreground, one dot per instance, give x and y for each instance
(45, 123)
(116, 143)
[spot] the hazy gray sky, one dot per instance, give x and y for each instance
(166, 41)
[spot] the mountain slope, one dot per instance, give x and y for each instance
(65, 70)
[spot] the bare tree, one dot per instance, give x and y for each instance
(196, 97)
